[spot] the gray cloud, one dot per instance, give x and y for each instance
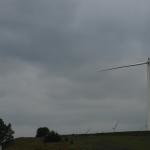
(50, 53)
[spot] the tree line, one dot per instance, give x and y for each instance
(6, 134)
(48, 135)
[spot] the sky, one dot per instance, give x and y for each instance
(50, 54)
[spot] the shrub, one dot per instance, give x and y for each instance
(66, 139)
(71, 142)
(52, 137)
(42, 132)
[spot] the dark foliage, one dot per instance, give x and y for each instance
(42, 132)
(66, 139)
(52, 137)
(6, 133)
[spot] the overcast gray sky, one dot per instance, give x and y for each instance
(50, 51)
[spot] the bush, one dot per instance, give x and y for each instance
(66, 139)
(52, 137)
(42, 132)
(71, 142)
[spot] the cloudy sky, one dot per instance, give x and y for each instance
(50, 51)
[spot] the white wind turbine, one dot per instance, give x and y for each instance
(147, 63)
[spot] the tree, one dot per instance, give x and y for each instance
(42, 132)
(6, 133)
(52, 137)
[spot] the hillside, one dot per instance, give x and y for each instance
(112, 141)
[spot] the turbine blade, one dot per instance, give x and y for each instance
(121, 67)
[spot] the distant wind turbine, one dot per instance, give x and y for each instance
(115, 126)
(147, 63)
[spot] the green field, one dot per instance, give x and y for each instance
(112, 141)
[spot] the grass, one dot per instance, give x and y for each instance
(116, 141)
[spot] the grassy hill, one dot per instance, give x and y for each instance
(110, 141)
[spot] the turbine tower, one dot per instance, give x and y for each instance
(147, 63)
(148, 79)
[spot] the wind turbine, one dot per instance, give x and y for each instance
(115, 126)
(147, 63)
